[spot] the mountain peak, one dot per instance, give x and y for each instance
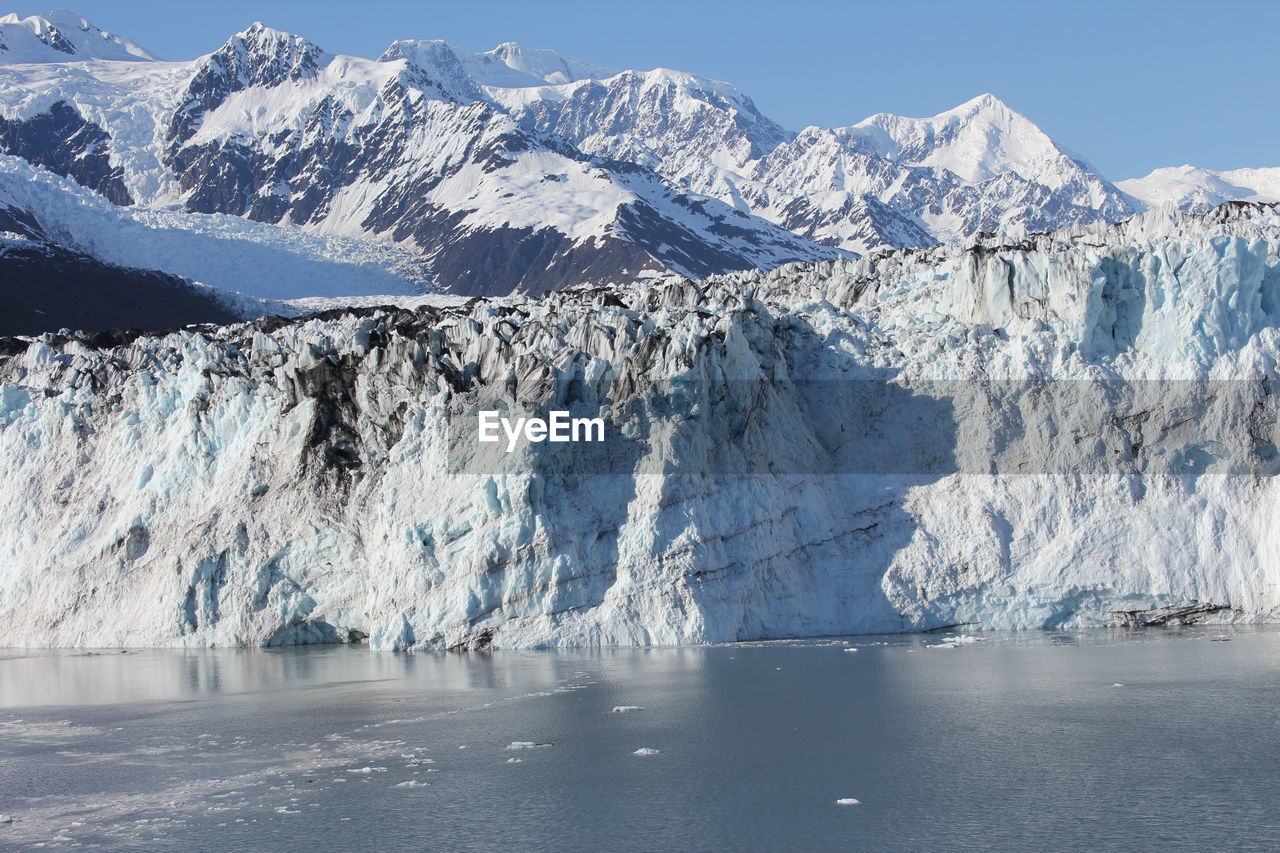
(510, 65)
(547, 65)
(263, 55)
(259, 34)
(62, 36)
(986, 102)
(976, 141)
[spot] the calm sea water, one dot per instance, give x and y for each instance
(1108, 741)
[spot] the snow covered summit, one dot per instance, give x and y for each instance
(509, 65)
(1196, 190)
(62, 36)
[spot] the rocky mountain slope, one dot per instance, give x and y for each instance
(1073, 429)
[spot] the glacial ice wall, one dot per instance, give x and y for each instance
(1064, 432)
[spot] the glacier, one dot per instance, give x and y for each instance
(1074, 429)
(256, 268)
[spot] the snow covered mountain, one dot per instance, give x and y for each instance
(1075, 429)
(518, 169)
(980, 167)
(276, 130)
(888, 181)
(438, 168)
(1196, 190)
(60, 37)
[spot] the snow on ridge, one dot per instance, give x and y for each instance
(977, 141)
(509, 65)
(1194, 189)
(62, 36)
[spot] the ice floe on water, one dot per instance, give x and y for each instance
(625, 709)
(515, 761)
(647, 750)
(368, 770)
(848, 801)
(411, 783)
(956, 642)
(528, 744)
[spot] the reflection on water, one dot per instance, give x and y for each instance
(154, 675)
(1079, 741)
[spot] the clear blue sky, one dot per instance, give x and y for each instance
(1130, 84)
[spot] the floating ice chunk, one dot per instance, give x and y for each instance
(515, 761)
(368, 770)
(850, 649)
(624, 709)
(6, 818)
(528, 744)
(954, 642)
(848, 801)
(411, 783)
(646, 750)
(1117, 684)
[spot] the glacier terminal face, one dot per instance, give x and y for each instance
(1077, 429)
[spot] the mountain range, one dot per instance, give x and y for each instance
(434, 168)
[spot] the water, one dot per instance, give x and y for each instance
(1014, 743)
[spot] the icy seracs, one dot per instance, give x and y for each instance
(318, 479)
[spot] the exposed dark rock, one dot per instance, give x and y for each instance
(45, 288)
(1173, 614)
(63, 141)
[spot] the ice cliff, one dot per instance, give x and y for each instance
(1079, 429)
